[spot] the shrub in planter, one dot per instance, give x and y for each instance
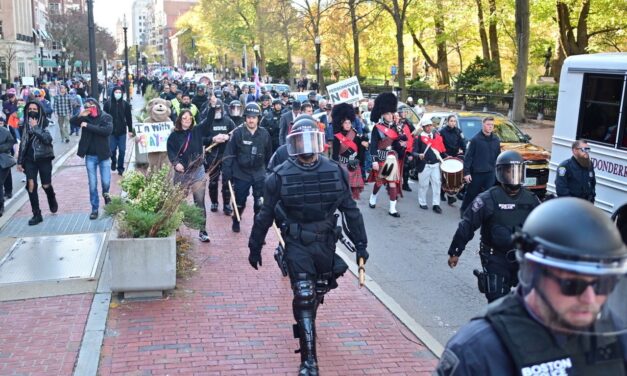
(154, 206)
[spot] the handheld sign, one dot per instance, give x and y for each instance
(28, 81)
(152, 137)
(346, 91)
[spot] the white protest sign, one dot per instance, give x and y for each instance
(345, 91)
(152, 137)
(28, 81)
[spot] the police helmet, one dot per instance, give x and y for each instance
(312, 95)
(305, 137)
(577, 247)
(265, 97)
(277, 101)
(252, 109)
(235, 108)
(510, 169)
(218, 94)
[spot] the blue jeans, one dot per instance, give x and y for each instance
(118, 143)
(92, 162)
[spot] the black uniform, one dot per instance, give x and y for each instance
(280, 155)
(303, 200)
(480, 164)
(213, 159)
(499, 215)
(575, 180)
(271, 122)
(507, 340)
(453, 140)
(244, 163)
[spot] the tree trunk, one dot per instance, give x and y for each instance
(522, 62)
(482, 34)
(288, 47)
(440, 40)
(400, 48)
(494, 38)
(556, 65)
(259, 22)
(573, 44)
(351, 6)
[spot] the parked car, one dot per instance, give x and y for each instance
(512, 138)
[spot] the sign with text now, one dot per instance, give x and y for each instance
(153, 137)
(346, 91)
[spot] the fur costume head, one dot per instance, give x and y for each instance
(158, 110)
(386, 102)
(339, 113)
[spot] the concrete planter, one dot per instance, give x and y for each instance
(142, 267)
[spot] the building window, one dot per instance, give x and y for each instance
(600, 108)
(21, 69)
(1, 30)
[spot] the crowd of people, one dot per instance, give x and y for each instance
(304, 161)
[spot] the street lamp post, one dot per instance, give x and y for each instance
(63, 51)
(136, 61)
(41, 58)
(318, 41)
(256, 49)
(126, 82)
(93, 64)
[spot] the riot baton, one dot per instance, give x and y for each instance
(208, 148)
(278, 234)
(234, 203)
(362, 272)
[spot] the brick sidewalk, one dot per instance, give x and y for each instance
(224, 319)
(228, 319)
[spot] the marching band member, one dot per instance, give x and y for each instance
(347, 146)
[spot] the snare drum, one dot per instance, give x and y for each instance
(452, 175)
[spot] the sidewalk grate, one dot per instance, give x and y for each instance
(50, 258)
(59, 224)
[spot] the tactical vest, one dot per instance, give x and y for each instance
(251, 149)
(310, 194)
(509, 215)
(535, 351)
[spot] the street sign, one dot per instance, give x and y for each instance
(346, 91)
(393, 70)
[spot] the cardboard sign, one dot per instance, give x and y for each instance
(28, 81)
(152, 137)
(346, 91)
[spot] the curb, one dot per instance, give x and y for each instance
(418, 330)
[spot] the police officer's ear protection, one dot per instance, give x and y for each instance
(523, 241)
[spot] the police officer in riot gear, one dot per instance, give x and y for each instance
(567, 316)
(271, 122)
(245, 159)
(312, 97)
(302, 195)
(266, 104)
(235, 112)
(499, 211)
(218, 135)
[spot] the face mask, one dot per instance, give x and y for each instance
(93, 111)
(117, 96)
(33, 114)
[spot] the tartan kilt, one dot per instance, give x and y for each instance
(355, 180)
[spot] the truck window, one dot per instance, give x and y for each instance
(600, 108)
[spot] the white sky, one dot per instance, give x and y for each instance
(107, 12)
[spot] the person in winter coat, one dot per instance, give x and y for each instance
(96, 128)
(35, 159)
(120, 112)
(6, 159)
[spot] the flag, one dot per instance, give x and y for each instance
(257, 83)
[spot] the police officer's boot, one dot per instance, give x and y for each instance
(235, 225)
(307, 338)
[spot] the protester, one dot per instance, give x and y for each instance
(96, 127)
(35, 159)
(62, 105)
(120, 112)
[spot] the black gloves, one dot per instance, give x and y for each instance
(254, 258)
(361, 253)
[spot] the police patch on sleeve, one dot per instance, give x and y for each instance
(477, 204)
(561, 171)
(448, 363)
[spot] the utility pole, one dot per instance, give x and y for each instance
(93, 64)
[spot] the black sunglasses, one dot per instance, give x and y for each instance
(585, 150)
(577, 286)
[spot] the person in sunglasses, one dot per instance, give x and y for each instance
(575, 176)
(567, 316)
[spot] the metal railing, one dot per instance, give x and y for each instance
(540, 107)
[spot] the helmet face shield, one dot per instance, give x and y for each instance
(305, 142)
(510, 174)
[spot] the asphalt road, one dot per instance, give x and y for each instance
(408, 257)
